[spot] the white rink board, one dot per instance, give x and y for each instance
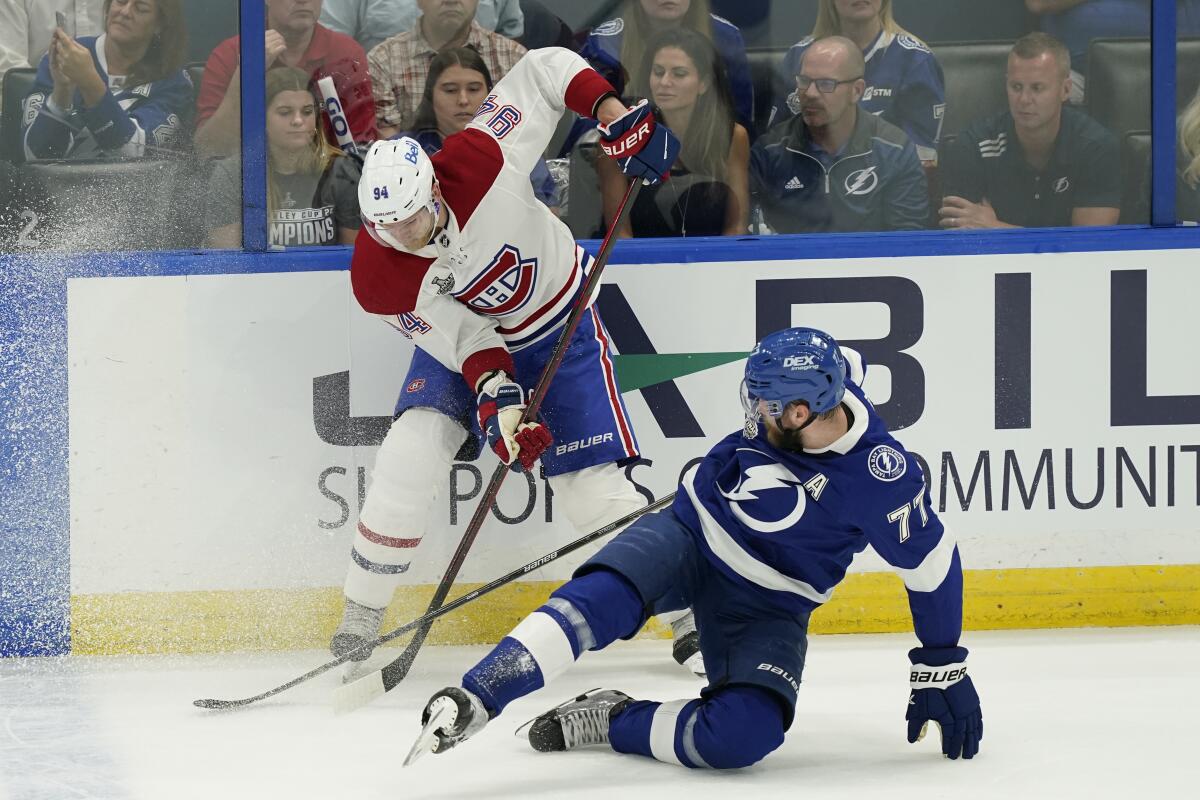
(195, 460)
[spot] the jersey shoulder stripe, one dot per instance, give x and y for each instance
(385, 280)
(466, 168)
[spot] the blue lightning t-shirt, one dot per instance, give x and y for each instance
(788, 523)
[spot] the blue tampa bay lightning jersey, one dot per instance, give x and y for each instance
(130, 121)
(788, 524)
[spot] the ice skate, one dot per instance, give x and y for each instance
(577, 722)
(451, 716)
(360, 625)
(686, 648)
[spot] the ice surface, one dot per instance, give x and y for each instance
(1079, 713)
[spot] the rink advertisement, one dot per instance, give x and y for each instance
(222, 430)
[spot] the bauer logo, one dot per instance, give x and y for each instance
(583, 444)
(886, 463)
(774, 670)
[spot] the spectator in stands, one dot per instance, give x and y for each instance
(903, 79)
(1076, 22)
(121, 93)
(294, 39)
(400, 66)
(617, 48)
(26, 27)
(835, 166)
(1187, 194)
(1038, 163)
(458, 83)
(372, 21)
(312, 188)
(707, 194)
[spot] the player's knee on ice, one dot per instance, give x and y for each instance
(737, 727)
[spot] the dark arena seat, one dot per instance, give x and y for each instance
(1118, 84)
(112, 204)
(975, 78)
(763, 65)
(18, 82)
(1135, 178)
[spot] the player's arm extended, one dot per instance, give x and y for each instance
(524, 107)
(910, 537)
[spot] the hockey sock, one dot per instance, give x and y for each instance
(586, 613)
(733, 728)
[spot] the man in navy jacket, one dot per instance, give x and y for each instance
(835, 167)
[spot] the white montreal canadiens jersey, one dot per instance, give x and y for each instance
(788, 524)
(505, 272)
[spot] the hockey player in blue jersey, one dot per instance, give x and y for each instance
(761, 532)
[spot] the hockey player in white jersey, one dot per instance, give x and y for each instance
(457, 254)
(760, 533)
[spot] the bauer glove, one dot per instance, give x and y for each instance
(641, 147)
(942, 692)
(500, 405)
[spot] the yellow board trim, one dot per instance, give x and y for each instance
(291, 619)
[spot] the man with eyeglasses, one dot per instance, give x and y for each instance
(834, 167)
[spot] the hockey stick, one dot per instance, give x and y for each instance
(337, 118)
(357, 694)
(352, 699)
(394, 672)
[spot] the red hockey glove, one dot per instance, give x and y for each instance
(500, 404)
(641, 147)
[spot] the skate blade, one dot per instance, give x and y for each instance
(443, 715)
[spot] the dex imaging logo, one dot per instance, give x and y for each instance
(800, 362)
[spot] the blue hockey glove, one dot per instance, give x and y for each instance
(500, 404)
(641, 147)
(942, 692)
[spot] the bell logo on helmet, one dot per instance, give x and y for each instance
(411, 155)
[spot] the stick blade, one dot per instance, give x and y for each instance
(351, 696)
(218, 705)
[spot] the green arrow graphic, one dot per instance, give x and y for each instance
(637, 371)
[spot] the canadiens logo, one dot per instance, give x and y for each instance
(415, 386)
(772, 492)
(504, 286)
(886, 463)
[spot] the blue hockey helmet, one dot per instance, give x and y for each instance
(795, 364)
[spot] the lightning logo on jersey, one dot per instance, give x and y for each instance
(759, 490)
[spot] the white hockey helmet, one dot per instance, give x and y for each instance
(397, 182)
